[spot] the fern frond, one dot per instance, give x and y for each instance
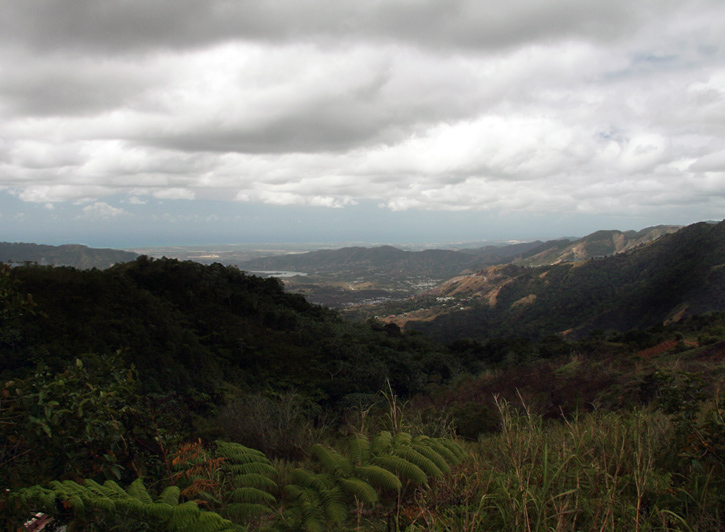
(425, 464)
(360, 489)
(312, 524)
(212, 522)
(76, 503)
(450, 456)
(331, 460)
(239, 454)
(255, 480)
(454, 447)
(402, 438)
(95, 488)
(382, 442)
(359, 448)
(138, 491)
(307, 510)
(311, 480)
(423, 447)
(401, 466)
(335, 512)
(252, 495)
(379, 477)
(257, 468)
(169, 496)
(245, 510)
(104, 503)
(294, 491)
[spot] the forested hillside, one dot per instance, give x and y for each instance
(189, 326)
(75, 255)
(369, 262)
(169, 395)
(680, 274)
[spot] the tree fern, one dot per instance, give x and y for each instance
(401, 467)
(332, 461)
(233, 479)
(380, 477)
(423, 447)
(110, 506)
(382, 442)
(236, 482)
(407, 452)
(359, 449)
(138, 491)
(169, 496)
(359, 489)
(369, 469)
(316, 501)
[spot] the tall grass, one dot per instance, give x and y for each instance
(602, 471)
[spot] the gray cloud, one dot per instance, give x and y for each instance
(569, 106)
(136, 25)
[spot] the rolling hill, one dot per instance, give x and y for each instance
(368, 262)
(595, 245)
(75, 255)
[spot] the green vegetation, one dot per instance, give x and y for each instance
(75, 255)
(168, 395)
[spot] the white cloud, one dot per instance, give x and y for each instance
(573, 106)
(58, 193)
(174, 193)
(101, 209)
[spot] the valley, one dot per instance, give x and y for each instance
(128, 391)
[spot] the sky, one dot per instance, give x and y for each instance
(177, 122)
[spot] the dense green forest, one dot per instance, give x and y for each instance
(169, 395)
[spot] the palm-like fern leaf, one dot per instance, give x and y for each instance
(359, 489)
(252, 495)
(382, 442)
(400, 466)
(379, 477)
(169, 496)
(332, 461)
(414, 457)
(138, 491)
(359, 449)
(111, 500)
(424, 448)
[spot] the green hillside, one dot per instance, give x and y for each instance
(368, 263)
(168, 395)
(187, 326)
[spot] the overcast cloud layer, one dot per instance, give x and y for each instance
(136, 112)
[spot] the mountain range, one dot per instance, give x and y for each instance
(362, 262)
(680, 274)
(76, 255)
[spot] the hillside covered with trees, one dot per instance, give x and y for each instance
(170, 395)
(680, 274)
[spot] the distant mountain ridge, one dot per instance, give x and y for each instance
(677, 275)
(444, 264)
(362, 261)
(595, 245)
(75, 255)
